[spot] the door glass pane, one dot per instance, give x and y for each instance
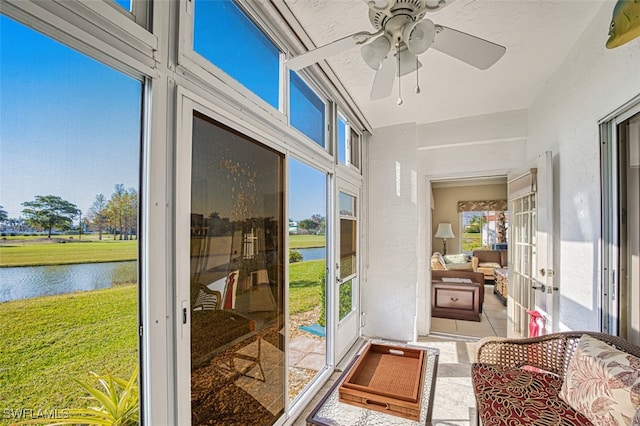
(347, 205)
(237, 351)
(307, 275)
(347, 247)
(345, 299)
(224, 35)
(523, 261)
(69, 183)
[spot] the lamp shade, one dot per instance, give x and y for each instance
(444, 231)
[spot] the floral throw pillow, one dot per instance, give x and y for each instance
(602, 383)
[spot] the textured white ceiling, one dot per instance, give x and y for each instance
(537, 34)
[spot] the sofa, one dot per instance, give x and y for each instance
(453, 262)
(488, 260)
(568, 378)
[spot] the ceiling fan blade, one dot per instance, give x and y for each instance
(311, 57)
(383, 81)
(468, 48)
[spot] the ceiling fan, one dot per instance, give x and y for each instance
(403, 33)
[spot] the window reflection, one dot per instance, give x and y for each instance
(237, 353)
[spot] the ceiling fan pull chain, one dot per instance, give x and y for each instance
(417, 79)
(399, 76)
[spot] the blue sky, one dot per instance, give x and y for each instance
(70, 126)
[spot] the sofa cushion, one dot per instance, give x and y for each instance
(514, 396)
(455, 258)
(602, 383)
(489, 265)
(460, 266)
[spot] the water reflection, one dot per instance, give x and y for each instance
(35, 281)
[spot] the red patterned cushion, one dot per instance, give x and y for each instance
(513, 396)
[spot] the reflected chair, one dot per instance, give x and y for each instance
(227, 362)
(204, 299)
(227, 287)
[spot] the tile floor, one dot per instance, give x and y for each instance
(454, 403)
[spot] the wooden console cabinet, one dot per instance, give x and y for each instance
(455, 300)
(502, 284)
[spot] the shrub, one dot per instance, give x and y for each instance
(295, 256)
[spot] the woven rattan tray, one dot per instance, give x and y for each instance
(388, 379)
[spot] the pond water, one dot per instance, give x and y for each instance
(314, 253)
(34, 281)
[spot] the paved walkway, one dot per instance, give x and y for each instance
(308, 353)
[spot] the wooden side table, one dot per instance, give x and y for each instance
(501, 288)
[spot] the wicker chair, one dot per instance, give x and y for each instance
(501, 360)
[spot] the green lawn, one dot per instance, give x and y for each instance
(31, 251)
(46, 341)
(23, 253)
(307, 241)
(304, 285)
(49, 340)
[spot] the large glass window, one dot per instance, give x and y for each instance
(237, 351)
(224, 35)
(342, 140)
(484, 230)
(620, 176)
(348, 144)
(69, 171)
(307, 111)
(307, 275)
(125, 4)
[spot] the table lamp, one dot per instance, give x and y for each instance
(444, 231)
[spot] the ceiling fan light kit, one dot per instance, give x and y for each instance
(375, 52)
(401, 35)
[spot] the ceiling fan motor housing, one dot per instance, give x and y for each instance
(393, 18)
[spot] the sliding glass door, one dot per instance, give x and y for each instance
(233, 315)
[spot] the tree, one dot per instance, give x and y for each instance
(122, 211)
(49, 212)
(97, 213)
(476, 223)
(308, 224)
(4, 216)
(317, 224)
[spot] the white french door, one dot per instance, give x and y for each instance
(347, 291)
(531, 281)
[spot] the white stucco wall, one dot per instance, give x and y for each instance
(395, 299)
(486, 145)
(389, 294)
(591, 83)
